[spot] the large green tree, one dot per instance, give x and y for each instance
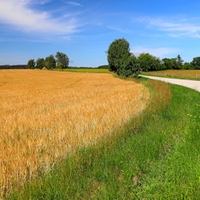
(186, 65)
(31, 64)
(117, 51)
(60, 66)
(50, 62)
(180, 61)
(149, 62)
(195, 64)
(40, 63)
(170, 63)
(129, 66)
(62, 58)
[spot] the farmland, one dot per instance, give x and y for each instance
(86, 70)
(46, 115)
(182, 74)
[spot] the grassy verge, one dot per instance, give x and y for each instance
(156, 156)
(85, 70)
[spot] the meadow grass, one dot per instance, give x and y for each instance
(180, 74)
(86, 70)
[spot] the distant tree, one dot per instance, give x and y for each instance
(180, 61)
(62, 58)
(60, 66)
(50, 62)
(40, 63)
(118, 50)
(175, 64)
(171, 63)
(31, 64)
(103, 67)
(167, 62)
(149, 62)
(195, 64)
(186, 65)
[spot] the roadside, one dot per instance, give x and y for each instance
(186, 83)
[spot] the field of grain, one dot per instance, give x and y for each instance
(187, 74)
(46, 114)
(94, 70)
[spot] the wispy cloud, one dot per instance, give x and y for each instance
(18, 14)
(119, 29)
(41, 2)
(175, 29)
(158, 52)
(73, 3)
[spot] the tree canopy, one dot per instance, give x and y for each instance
(60, 66)
(195, 64)
(40, 63)
(120, 59)
(118, 50)
(50, 62)
(180, 61)
(31, 64)
(149, 62)
(62, 58)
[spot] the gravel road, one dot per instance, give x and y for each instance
(187, 83)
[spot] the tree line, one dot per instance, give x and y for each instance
(152, 63)
(120, 60)
(123, 62)
(13, 66)
(60, 60)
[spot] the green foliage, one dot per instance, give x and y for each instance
(180, 61)
(104, 67)
(129, 66)
(62, 58)
(13, 66)
(31, 64)
(121, 60)
(171, 63)
(60, 66)
(50, 62)
(118, 50)
(195, 64)
(39, 63)
(186, 65)
(148, 62)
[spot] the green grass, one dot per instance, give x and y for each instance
(86, 70)
(156, 156)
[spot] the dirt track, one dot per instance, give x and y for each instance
(187, 83)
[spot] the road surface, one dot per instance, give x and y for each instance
(187, 83)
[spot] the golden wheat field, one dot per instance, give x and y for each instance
(44, 115)
(191, 74)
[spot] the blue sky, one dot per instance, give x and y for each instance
(84, 29)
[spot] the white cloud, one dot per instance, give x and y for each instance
(158, 52)
(119, 29)
(41, 2)
(176, 29)
(73, 3)
(18, 13)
